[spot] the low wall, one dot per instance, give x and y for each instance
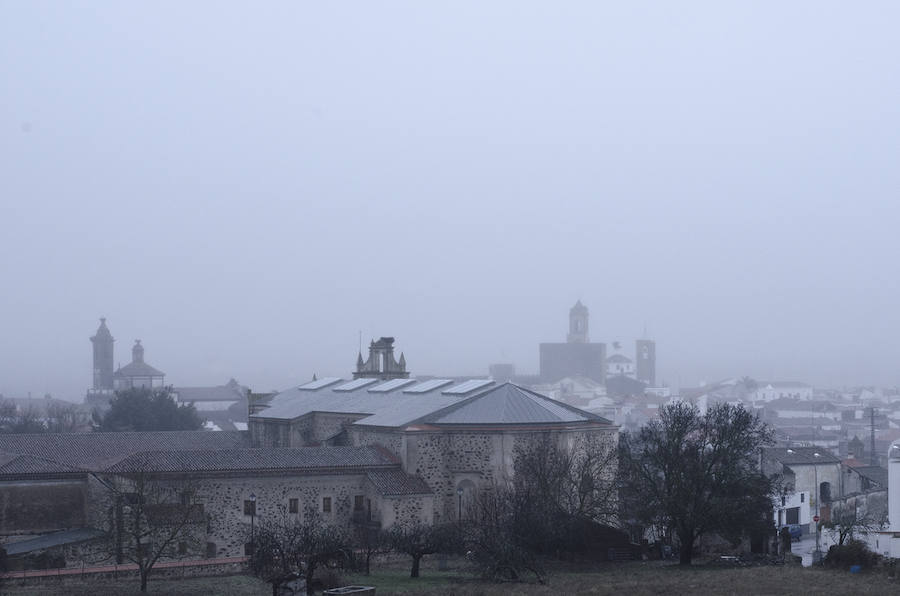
(129, 572)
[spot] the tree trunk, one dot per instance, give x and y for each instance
(415, 567)
(687, 548)
(143, 581)
(310, 569)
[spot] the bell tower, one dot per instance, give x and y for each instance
(103, 357)
(578, 325)
(381, 363)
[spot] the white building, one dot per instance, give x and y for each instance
(620, 365)
(772, 390)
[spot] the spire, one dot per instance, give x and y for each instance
(360, 362)
(137, 352)
(402, 362)
(314, 377)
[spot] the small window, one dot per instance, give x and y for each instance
(803, 497)
(782, 501)
(326, 504)
(293, 505)
(358, 503)
(210, 550)
(249, 507)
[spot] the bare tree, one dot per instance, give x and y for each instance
(849, 522)
(498, 539)
(418, 540)
(16, 421)
(153, 519)
(560, 490)
(284, 550)
(65, 418)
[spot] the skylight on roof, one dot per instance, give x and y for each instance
(323, 382)
(467, 387)
(391, 385)
(426, 386)
(354, 384)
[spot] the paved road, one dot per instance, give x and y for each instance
(807, 545)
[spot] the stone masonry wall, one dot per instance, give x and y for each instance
(229, 528)
(444, 459)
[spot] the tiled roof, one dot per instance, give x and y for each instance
(96, 451)
(800, 455)
(230, 392)
(256, 460)
(138, 369)
(876, 474)
(28, 465)
(397, 482)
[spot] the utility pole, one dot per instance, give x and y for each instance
(873, 459)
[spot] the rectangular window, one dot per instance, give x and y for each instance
(249, 507)
(293, 505)
(326, 504)
(803, 497)
(358, 503)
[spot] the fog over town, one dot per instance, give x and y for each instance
(247, 190)
(449, 297)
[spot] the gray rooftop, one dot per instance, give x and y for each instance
(479, 401)
(511, 404)
(793, 456)
(49, 540)
(96, 451)
(138, 369)
(255, 460)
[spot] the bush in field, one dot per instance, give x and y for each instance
(852, 552)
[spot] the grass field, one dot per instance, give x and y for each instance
(624, 578)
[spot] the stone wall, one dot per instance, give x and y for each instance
(269, 433)
(392, 440)
(447, 458)
(223, 498)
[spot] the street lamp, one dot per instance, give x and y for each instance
(459, 494)
(817, 557)
(252, 524)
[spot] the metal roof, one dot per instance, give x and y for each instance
(319, 383)
(391, 385)
(503, 404)
(355, 384)
(511, 404)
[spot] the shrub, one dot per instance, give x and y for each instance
(852, 552)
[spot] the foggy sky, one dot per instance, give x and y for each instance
(248, 186)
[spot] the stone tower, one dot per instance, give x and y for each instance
(381, 363)
(578, 325)
(103, 357)
(645, 361)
